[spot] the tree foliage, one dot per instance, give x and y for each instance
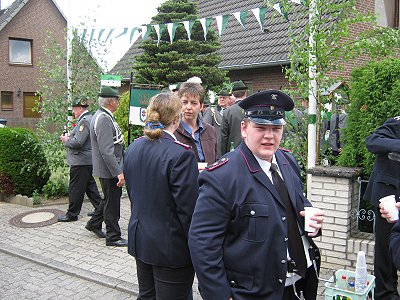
(165, 63)
(84, 81)
(375, 96)
(336, 46)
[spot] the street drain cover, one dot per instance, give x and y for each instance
(36, 218)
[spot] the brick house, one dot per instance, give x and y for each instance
(257, 57)
(23, 30)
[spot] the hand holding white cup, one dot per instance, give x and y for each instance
(389, 208)
(310, 212)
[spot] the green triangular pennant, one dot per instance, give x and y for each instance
(109, 34)
(123, 32)
(100, 34)
(91, 36)
(84, 34)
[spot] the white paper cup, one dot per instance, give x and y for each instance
(201, 166)
(389, 204)
(310, 212)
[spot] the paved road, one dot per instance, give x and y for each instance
(24, 279)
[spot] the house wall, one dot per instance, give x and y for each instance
(33, 22)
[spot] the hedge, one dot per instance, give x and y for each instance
(22, 160)
(375, 97)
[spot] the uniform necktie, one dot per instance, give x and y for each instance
(295, 244)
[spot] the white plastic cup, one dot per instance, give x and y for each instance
(389, 204)
(309, 212)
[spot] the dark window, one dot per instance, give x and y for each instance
(30, 104)
(387, 13)
(7, 101)
(20, 51)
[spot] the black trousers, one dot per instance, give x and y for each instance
(164, 283)
(308, 285)
(384, 270)
(110, 207)
(81, 181)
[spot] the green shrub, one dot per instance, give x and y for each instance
(22, 159)
(375, 97)
(55, 188)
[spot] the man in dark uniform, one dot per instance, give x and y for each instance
(79, 159)
(231, 119)
(213, 115)
(384, 181)
(108, 143)
(246, 238)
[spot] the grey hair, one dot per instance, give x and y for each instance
(104, 101)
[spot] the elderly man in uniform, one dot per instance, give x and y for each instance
(384, 181)
(246, 237)
(108, 144)
(231, 119)
(79, 159)
(213, 115)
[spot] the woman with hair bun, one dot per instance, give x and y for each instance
(161, 177)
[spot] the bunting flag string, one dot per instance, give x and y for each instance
(221, 22)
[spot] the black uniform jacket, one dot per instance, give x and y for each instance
(385, 178)
(161, 177)
(238, 235)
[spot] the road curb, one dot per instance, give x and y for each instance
(111, 282)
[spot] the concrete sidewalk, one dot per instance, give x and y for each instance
(70, 248)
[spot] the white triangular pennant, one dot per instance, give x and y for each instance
(277, 7)
(203, 24)
(157, 28)
(256, 12)
(186, 24)
(237, 16)
(219, 24)
(144, 31)
(169, 28)
(296, 1)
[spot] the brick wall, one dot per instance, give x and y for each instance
(33, 22)
(335, 189)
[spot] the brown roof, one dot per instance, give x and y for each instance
(241, 48)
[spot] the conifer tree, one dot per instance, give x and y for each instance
(168, 63)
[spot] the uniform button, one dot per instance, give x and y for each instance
(252, 212)
(283, 261)
(280, 280)
(283, 218)
(233, 282)
(286, 239)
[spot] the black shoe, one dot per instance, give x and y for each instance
(91, 213)
(99, 232)
(119, 243)
(65, 218)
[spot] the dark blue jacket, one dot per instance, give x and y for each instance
(385, 177)
(161, 177)
(237, 238)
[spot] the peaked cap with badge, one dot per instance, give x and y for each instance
(109, 92)
(239, 85)
(80, 101)
(267, 107)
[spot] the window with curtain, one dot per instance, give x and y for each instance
(20, 51)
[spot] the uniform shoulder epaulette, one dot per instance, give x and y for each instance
(139, 138)
(217, 164)
(397, 118)
(182, 144)
(285, 150)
